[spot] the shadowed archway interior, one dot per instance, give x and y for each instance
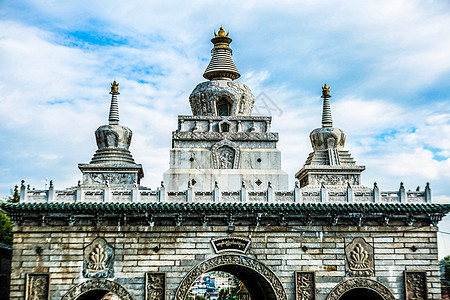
(93, 295)
(361, 293)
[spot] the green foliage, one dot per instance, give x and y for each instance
(232, 293)
(6, 225)
(15, 196)
(446, 263)
(198, 297)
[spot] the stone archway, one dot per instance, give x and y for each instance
(261, 282)
(360, 285)
(95, 287)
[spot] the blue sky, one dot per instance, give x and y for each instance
(387, 63)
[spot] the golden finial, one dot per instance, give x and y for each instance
(220, 33)
(325, 91)
(114, 87)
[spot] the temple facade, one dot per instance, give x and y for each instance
(224, 204)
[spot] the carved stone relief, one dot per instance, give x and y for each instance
(359, 258)
(227, 260)
(112, 178)
(360, 283)
(37, 286)
(98, 284)
(415, 285)
(225, 155)
(155, 286)
(205, 95)
(98, 259)
(113, 136)
(330, 179)
(305, 286)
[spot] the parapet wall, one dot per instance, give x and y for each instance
(323, 194)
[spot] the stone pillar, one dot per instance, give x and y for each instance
(350, 197)
(323, 193)
(181, 125)
(376, 193)
(23, 191)
(297, 193)
(216, 193)
(270, 194)
(210, 129)
(78, 192)
(162, 192)
(401, 194)
(135, 195)
(427, 193)
(51, 192)
(189, 193)
(106, 193)
(268, 126)
(243, 193)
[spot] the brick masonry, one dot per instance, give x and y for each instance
(177, 249)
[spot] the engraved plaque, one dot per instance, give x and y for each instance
(155, 286)
(305, 285)
(37, 286)
(230, 244)
(415, 285)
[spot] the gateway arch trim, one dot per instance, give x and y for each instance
(225, 260)
(360, 283)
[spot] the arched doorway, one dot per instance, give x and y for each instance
(261, 282)
(361, 293)
(360, 288)
(98, 289)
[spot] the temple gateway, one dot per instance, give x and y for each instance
(224, 205)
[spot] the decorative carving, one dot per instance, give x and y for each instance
(111, 178)
(236, 260)
(204, 97)
(305, 285)
(359, 258)
(415, 285)
(230, 244)
(98, 259)
(98, 284)
(37, 286)
(226, 155)
(335, 179)
(360, 283)
(155, 286)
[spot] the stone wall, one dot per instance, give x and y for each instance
(58, 250)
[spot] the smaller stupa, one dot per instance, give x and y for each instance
(329, 164)
(112, 163)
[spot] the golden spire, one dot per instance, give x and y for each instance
(325, 91)
(114, 87)
(221, 32)
(221, 64)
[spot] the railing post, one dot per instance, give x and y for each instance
(376, 193)
(401, 194)
(323, 193)
(297, 192)
(427, 193)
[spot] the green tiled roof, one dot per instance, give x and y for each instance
(230, 207)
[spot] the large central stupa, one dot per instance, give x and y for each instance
(222, 143)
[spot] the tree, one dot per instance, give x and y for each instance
(15, 196)
(6, 225)
(446, 263)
